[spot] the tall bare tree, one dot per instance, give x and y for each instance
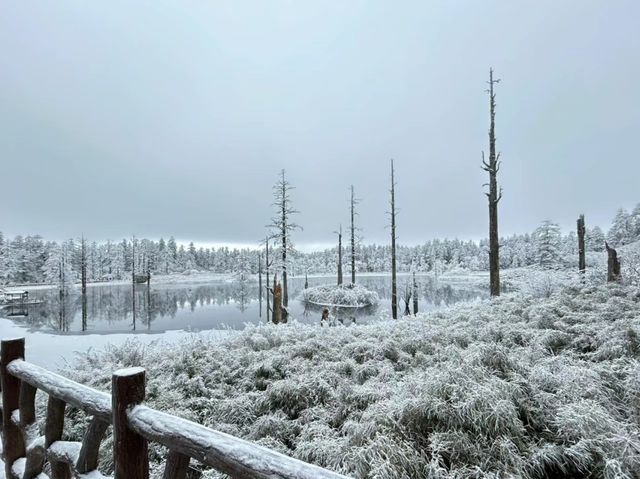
(582, 262)
(415, 295)
(83, 279)
(283, 226)
(339, 233)
(494, 195)
(260, 284)
(133, 280)
(392, 214)
(354, 202)
(267, 266)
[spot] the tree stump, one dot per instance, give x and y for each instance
(277, 303)
(613, 265)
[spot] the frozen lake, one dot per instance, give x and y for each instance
(217, 305)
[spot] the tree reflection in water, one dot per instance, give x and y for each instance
(201, 306)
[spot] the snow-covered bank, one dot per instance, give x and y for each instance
(195, 277)
(516, 386)
(56, 350)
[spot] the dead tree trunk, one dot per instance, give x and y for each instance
(613, 265)
(353, 236)
(340, 256)
(267, 265)
(133, 280)
(283, 226)
(277, 301)
(83, 278)
(582, 263)
(415, 295)
(260, 284)
(407, 300)
(494, 195)
(394, 290)
(306, 281)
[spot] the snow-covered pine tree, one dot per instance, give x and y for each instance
(595, 239)
(242, 277)
(57, 268)
(635, 223)
(548, 244)
(5, 275)
(620, 232)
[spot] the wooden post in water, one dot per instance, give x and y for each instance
(11, 435)
(582, 263)
(130, 450)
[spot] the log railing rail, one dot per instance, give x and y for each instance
(27, 454)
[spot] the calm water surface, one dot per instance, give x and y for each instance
(219, 305)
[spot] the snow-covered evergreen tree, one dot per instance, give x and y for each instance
(548, 244)
(58, 268)
(621, 232)
(594, 239)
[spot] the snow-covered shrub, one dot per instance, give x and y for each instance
(630, 264)
(512, 387)
(349, 295)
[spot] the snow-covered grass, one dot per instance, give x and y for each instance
(345, 295)
(516, 386)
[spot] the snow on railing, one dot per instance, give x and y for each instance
(26, 452)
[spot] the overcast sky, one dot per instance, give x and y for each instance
(174, 118)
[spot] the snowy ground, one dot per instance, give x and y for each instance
(57, 350)
(195, 277)
(518, 386)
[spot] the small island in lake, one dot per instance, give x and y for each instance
(343, 295)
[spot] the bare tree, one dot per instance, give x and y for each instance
(339, 233)
(582, 263)
(415, 295)
(407, 299)
(267, 263)
(133, 280)
(282, 227)
(83, 279)
(354, 202)
(260, 284)
(494, 196)
(392, 213)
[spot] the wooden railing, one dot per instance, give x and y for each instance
(26, 452)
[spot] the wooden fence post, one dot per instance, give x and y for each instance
(53, 432)
(130, 450)
(12, 441)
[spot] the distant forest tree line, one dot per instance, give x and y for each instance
(31, 259)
